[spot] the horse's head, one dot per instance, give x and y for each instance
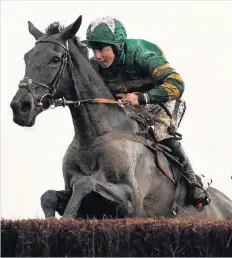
(46, 75)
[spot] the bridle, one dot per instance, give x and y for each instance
(51, 101)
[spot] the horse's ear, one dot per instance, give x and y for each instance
(70, 31)
(34, 31)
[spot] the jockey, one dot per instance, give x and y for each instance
(129, 66)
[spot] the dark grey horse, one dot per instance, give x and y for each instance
(106, 171)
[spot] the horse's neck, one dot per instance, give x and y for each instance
(90, 122)
(93, 120)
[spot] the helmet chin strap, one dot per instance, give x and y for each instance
(120, 46)
(117, 49)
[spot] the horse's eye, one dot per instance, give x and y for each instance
(56, 59)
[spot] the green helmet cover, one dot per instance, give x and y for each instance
(106, 30)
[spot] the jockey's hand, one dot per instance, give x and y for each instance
(129, 99)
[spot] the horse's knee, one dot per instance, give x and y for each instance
(49, 199)
(87, 182)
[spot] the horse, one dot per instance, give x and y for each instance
(107, 169)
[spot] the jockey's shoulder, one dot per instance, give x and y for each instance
(141, 46)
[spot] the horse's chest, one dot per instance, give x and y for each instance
(102, 171)
(104, 165)
(88, 165)
(108, 161)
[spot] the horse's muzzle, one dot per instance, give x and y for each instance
(20, 107)
(23, 111)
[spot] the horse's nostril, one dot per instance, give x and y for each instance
(20, 106)
(25, 106)
(15, 106)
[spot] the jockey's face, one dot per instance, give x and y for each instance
(105, 56)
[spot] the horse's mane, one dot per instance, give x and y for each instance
(56, 27)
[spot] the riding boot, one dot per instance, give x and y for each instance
(197, 194)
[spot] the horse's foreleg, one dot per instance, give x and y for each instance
(52, 201)
(49, 201)
(80, 189)
(120, 195)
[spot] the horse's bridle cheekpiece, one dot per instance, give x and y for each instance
(51, 102)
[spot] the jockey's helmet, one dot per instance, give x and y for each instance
(106, 30)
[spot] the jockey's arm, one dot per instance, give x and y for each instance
(168, 84)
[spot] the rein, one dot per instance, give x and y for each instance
(63, 102)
